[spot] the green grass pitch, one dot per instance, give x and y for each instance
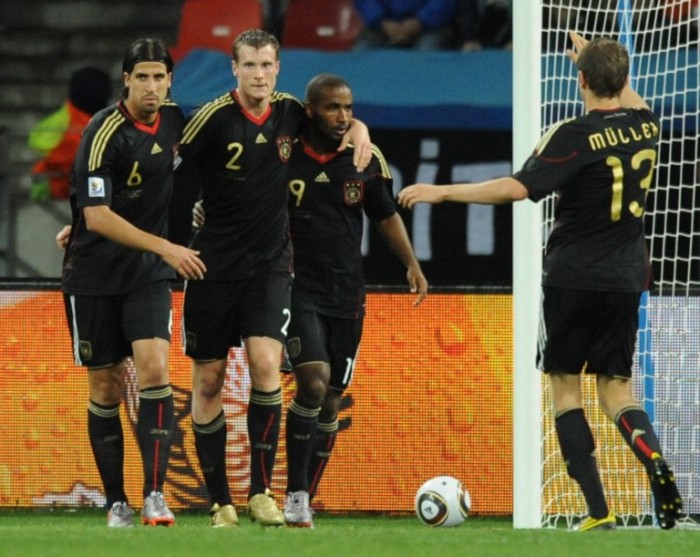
(26, 533)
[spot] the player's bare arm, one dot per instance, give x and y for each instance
(102, 220)
(394, 232)
(491, 192)
(417, 283)
(358, 135)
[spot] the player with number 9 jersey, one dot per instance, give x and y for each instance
(328, 198)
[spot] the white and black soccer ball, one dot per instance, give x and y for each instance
(442, 501)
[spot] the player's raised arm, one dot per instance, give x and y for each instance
(629, 98)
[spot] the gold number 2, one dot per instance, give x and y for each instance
(237, 150)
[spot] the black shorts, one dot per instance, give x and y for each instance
(587, 331)
(103, 327)
(318, 338)
(217, 315)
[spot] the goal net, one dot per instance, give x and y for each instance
(662, 38)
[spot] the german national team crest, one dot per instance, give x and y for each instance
(85, 348)
(352, 192)
(294, 347)
(190, 340)
(284, 147)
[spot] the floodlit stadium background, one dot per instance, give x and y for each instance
(432, 395)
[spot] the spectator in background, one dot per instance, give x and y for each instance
(56, 137)
(273, 16)
(419, 24)
(483, 24)
(682, 16)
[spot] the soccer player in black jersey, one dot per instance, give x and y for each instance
(235, 149)
(601, 166)
(117, 271)
(328, 198)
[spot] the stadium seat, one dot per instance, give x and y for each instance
(213, 24)
(321, 24)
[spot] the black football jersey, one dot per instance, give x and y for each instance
(601, 165)
(239, 163)
(327, 198)
(128, 166)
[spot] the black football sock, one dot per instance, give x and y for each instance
(154, 431)
(210, 443)
(300, 429)
(324, 442)
(636, 429)
(107, 442)
(577, 447)
(264, 414)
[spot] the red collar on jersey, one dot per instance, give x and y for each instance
(320, 157)
(257, 120)
(151, 129)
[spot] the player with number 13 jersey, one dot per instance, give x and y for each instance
(601, 165)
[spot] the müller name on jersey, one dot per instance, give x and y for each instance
(612, 136)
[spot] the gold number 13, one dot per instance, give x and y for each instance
(618, 182)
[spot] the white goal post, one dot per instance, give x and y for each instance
(662, 37)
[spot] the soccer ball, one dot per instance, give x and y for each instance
(442, 501)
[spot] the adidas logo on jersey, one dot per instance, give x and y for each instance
(156, 149)
(260, 139)
(323, 177)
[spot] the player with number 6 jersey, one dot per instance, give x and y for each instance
(129, 166)
(116, 275)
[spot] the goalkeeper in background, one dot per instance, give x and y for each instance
(596, 265)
